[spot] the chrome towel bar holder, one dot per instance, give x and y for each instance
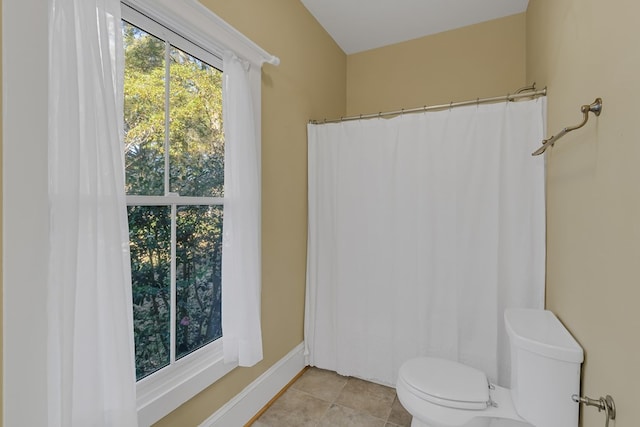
(595, 108)
(605, 404)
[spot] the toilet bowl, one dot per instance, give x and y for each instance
(545, 373)
(443, 393)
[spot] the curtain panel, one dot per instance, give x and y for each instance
(241, 264)
(423, 228)
(91, 373)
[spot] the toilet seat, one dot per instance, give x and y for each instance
(446, 383)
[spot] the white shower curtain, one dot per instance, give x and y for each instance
(423, 228)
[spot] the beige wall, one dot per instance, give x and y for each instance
(583, 49)
(482, 60)
(309, 82)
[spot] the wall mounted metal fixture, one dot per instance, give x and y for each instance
(595, 108)
(525, 92)
(605, 404)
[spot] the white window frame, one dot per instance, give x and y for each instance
(163, 391)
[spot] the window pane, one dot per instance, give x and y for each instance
(198, 277)
(195, 129)
(144, 113)
(150, 244)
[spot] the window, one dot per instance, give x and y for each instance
(174, 164)
(174, 177)
(176, 195)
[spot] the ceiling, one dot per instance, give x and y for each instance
(359, 25)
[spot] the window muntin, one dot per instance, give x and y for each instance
(174, 151)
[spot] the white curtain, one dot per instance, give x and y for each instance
(91, 373)
(423, 228)
(241, 267)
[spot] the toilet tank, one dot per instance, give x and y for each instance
(545, 368)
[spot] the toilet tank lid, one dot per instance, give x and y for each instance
(540, 332)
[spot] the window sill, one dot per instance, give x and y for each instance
(162, 392)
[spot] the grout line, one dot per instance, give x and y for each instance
(280, 393)
(331, 403)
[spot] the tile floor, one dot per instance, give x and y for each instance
(322, 398)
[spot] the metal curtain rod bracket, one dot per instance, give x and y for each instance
(530, 88)
(595, 108)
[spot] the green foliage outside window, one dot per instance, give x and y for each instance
(196, 168)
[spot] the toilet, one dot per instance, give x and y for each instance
(545, 373)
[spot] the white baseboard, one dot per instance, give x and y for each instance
(239, 410)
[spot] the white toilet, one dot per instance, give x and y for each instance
(545, 373)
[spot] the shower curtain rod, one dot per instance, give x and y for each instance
(526, 92)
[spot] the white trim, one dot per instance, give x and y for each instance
(137, 200)
(163, 33)
(239, 410)
(25, 206)
(200, 25)
(162, 392)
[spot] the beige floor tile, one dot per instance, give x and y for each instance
(294, 409)
(321, 398)
(364, 396)
(340, 416)
(320, 383)
(399, 416)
